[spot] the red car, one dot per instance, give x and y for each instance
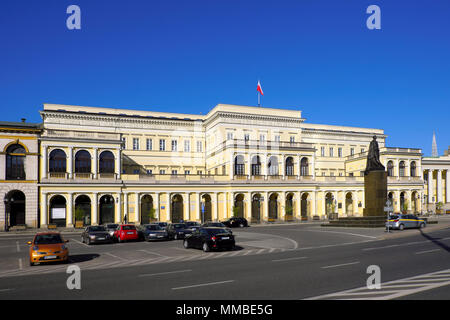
(125, 232)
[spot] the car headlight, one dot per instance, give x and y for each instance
(152, 234)
(92, 237)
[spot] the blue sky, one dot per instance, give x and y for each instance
(187, 56)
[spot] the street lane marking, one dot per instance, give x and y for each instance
(406, 244)
(340, 265)
(406, 286)
(163, 273)
(428, 251)
(114, 256)
(5, 290)
(203, 285)
(84, 244)
(289, 259)
(17, 245)
(347, 233)
(154, 253)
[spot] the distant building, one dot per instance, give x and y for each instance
(19, 153)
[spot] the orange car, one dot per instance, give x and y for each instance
(48, 247)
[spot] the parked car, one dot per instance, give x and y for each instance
(192, 225)
(177, 231)
(213, 224)
(405, 221)
(161, 224)
(126, 232)
(111, 227)
(236, 222)
(96, 234)
(153, 231)
(210, 238)
(48, 247)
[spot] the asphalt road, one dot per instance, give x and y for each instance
(286, 262)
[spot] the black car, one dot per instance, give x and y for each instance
(177, 231)
(236, 222)
(213, 224)
(96, 234)
(210, 238)
(152, 231)
(192, 225)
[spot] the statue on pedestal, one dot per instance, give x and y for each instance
(373, 158)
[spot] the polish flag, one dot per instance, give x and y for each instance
(259, 89)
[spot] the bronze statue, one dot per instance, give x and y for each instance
(373, 158)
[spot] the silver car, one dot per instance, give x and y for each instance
(405, 221)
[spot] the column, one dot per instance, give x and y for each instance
(447, 186)
(248, 206)
(283, 167)
(313, 166)
(168, 206)
(70, 163)
(44, 213)
(186, 212)
(397, 166)
(264, 166)
(266, 206)
(231, 172)
(355, 206)
(430, 186)
(410, 200)
(94, 210)
(94, 163)
(297, 205)
(439, 186)
(69, 221)
(157, 206)
(198, 206)
(397, 195)
(297, 165)
(118, 164)
(214, 207)
(118, 205)
(137, 208)
(44, 162)
(125, 207)
(225, 214)
(313, 203)
(249, 166)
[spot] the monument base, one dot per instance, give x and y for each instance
(375, 193)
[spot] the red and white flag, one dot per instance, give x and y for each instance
(259, 88)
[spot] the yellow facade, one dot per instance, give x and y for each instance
(261, 163)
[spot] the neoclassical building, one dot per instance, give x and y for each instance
(100, 165)
(19, 155)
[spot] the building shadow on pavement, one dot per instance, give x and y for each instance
(77, 258)
(435, 241)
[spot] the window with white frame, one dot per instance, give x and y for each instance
(340, 152)
(187, 146)
(199, 146)
(331, 152)
(229, 135)
(162, 145)
(174, 145)
(322, 151)
(135, 143)
(149, 144)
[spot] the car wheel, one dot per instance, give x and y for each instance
(175, 237)
(82, 239)
(88, 241)
(186, 244)
(422, 225)
(119, 240)
(206, 247)
(31, 264)
(241, 225)
(401, 227)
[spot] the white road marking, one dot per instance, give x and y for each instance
(346, 233)
(203, 284)
(289, 259)
(340, 265)
(17, 246)
(84, 244)
(428, 251)
(5, 290)
(114, 256)
(406, 286)
(163, 273)
(154, 253)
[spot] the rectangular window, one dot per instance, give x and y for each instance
(135, 143)
(277, 138)
(136, 171)
(322, 151)
(362, 150)
(187, 172)
(340, 152)
(149, 171)
(187, 146)
(199, 172)
(331, 152)
(124, 141)
(262, 138)
(174, 172)
(199, 146)
(162, 145)
(352, 151)
(224, 170)
(162, 171)
(291, 139)
(230, 136)
(246, 137)
(149, 144)
(174, 145)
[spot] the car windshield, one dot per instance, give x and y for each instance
(128, 228)
(97, 228)
(179, 226)
(48, 239)
(216, 231)
(154, 227)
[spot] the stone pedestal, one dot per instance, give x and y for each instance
(375, 193)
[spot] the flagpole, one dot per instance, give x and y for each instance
(259, 98)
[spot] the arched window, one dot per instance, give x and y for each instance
(57, 161)
(256, 166)
(15, 162)
(239, 168)
(272, 166)
(304, 167)
(413, 169)
(289, 166)
(390, 169)
(106, 162)
(402, 169)
(82, 162)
